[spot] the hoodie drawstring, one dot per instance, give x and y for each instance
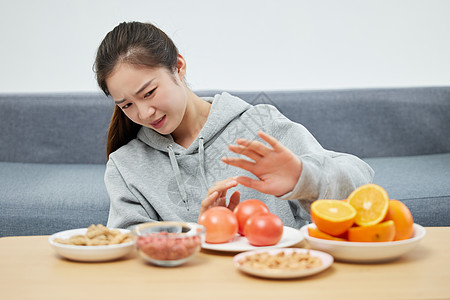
(176, 170)
(201, 160)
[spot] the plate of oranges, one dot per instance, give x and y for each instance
(366, 227)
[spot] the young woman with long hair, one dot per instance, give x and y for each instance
(172, 154)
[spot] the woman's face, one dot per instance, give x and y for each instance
(151, 97)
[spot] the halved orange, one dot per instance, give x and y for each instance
(314, 232)
(371, 203)
(332, 216)
(382, 232)
(403, 219)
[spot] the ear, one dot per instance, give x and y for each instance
(181, 66)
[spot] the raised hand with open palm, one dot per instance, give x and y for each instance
(275, 166)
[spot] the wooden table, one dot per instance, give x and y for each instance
(30, 269)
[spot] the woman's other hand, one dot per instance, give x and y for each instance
(277, 168)
(217, 195)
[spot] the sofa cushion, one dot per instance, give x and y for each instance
(41, 199)
(421, 182)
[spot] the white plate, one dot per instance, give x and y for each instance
(89, 253)
(326, 259)
(364, 252)
(291, 236)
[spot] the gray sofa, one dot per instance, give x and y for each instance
(52, 149)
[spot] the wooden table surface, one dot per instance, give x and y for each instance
(30, 269)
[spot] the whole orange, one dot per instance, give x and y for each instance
(403, 219)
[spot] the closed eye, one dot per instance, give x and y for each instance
(126, 106)
(149, 93)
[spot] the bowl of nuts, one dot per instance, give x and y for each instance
(168, 244)
(93, 244)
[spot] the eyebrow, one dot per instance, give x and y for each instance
(143, 87)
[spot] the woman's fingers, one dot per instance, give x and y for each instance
(277, 168)
(273, 142)
(255, 146)
(234, 200)
(238, 149)
(239, 162)
(222, 186)
(252, 183)
(217, 195)
(208, 202)
(256, 150)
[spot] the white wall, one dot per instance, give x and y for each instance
(50, 45)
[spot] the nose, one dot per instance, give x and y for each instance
(145, 111)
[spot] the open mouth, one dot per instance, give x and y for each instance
(158, 123)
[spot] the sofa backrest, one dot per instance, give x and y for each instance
(72, 128)
(54, 128)
(369, 122)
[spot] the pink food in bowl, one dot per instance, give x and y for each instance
(168, 246)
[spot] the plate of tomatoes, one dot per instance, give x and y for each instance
(249, 226)
(239, 243)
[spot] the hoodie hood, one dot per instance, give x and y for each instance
(224, 109)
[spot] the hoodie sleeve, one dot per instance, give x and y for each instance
(325, 174)
(126, 208)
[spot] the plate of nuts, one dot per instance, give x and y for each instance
(282, 262)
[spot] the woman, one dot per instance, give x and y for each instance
(169, 150)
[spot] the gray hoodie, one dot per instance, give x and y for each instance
(152, 178)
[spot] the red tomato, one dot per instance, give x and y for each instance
(264, 229)
(220, 223)
(246, 209)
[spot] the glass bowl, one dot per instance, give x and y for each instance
(168, 244)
